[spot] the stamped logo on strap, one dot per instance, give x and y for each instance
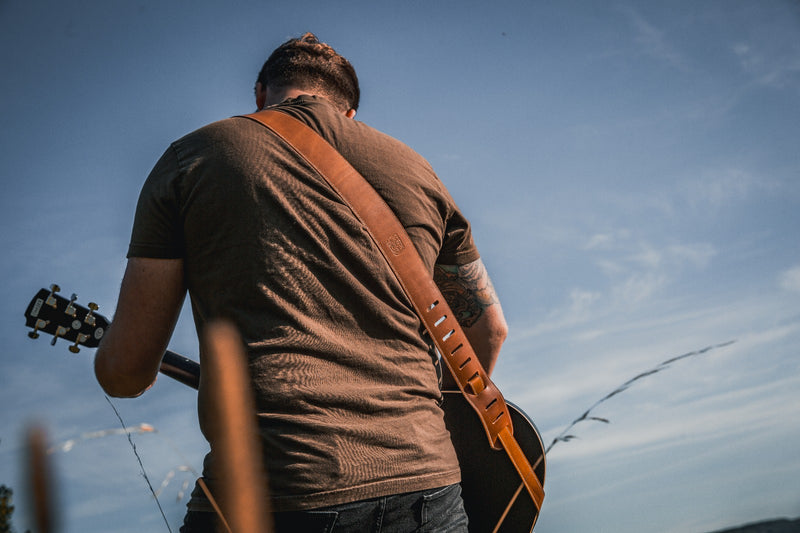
(395, 244)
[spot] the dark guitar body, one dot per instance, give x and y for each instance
(488, 478)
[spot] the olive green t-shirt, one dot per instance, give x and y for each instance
(346, 392)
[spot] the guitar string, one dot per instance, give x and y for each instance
(508, 508)
(141, 465)
(513, 498)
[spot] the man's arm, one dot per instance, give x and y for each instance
(470, 294)
(150, 300)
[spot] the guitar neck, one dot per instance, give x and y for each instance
(181, 369)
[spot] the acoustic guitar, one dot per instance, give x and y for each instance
(494, 496)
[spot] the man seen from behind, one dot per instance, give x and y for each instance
(347, 395)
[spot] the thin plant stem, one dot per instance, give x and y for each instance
(565, 436)
(141, 465)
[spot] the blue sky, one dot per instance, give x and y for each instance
(631, 170)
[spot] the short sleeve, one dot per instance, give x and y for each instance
(157, 227)
(458, 247)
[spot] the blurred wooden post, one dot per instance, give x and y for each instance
(242, 492)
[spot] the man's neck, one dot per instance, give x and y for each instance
(276, 97)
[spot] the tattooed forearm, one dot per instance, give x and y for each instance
(467, 289)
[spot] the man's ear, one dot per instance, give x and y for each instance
(261, 95)
(350, 113)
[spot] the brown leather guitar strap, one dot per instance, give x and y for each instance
(430, 305)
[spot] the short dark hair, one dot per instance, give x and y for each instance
(307, 63)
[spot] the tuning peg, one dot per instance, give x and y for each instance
(39, 325)
(81, 338)
(90, 316)
(51, 301)
(60, 330)
(70, 310)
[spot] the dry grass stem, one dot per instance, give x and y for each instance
(41, 487)
(234, 436)
(565, 436)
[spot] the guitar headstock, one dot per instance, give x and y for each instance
(62, 318)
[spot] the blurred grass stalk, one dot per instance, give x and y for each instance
(233, 433)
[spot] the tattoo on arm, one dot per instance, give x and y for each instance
(467, 289)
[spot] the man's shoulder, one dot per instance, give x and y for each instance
(229, 130)
(225, 126)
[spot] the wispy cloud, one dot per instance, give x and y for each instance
(721, 187)
(789, 280)
(638, 269)
(652, 41)
(672, 255)
(633, 273)
(777, 69)
(637, 288)
(608, 240)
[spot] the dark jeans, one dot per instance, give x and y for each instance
(433, 511)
